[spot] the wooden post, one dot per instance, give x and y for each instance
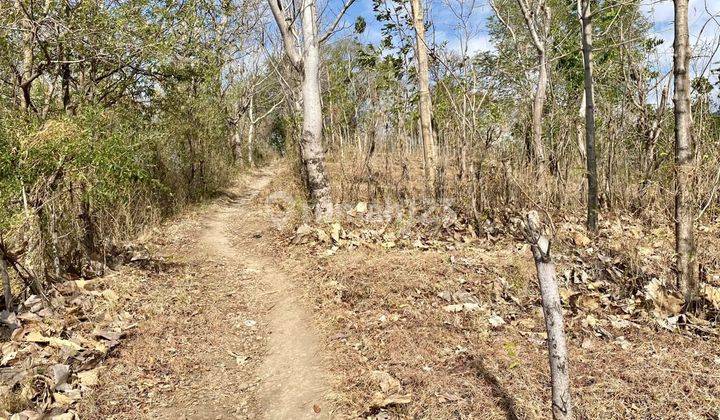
(552, 311)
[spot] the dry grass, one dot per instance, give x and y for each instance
(382, 309)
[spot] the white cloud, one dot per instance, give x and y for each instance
(658, 11)
(476, 43)
(480, 43)
(704, 34)
(662, 15)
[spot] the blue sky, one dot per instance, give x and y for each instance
(703, 13)
(659, 12)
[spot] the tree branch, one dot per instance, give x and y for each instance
(531, 25)
(289, 42)
(338, 18)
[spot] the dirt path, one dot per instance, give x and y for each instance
(226, 333)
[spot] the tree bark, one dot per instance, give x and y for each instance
(237, 144)
(687, 269)
(313, 154)
(235, 139)
(86, 220)
(429, 153)
(538, 149)
(538, 33)
(592, 181)
(552, 311)
(579, 129)
(26, 76)
(308, 65)
(6, 285)
(65, 73)
(251, 131)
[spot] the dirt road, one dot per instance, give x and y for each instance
(226, 334)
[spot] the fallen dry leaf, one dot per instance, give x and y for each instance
(665, 302)
(496, 321)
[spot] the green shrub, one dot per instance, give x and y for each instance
(72, 186)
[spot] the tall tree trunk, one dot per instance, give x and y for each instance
(592, 182)
(26, 76)
(250, 139)
(464, 138)
(65, 76)
(552, 311)
(251, 131)
(308, 65)
(687, 270)
(235, 139)
(313, 155)
(86, 220)
(537, 18)
(65, 73)
(579, 129)
(237, 144)
(538, 149)
(429, 153)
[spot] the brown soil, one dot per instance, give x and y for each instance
(365, 332)
(224, 334)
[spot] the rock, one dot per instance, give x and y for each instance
(31, 301)
(88, 377)
(65, 416)
(27, 415)
(445, 295)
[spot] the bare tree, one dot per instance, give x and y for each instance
(254, 88)
(421, 51)
(537, 21)
(304, 55)
(552, 311)
(253, 120)
(649, 121)
(687, 270)
(591, 163)
(537, 17)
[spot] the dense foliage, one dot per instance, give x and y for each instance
(113, 115)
